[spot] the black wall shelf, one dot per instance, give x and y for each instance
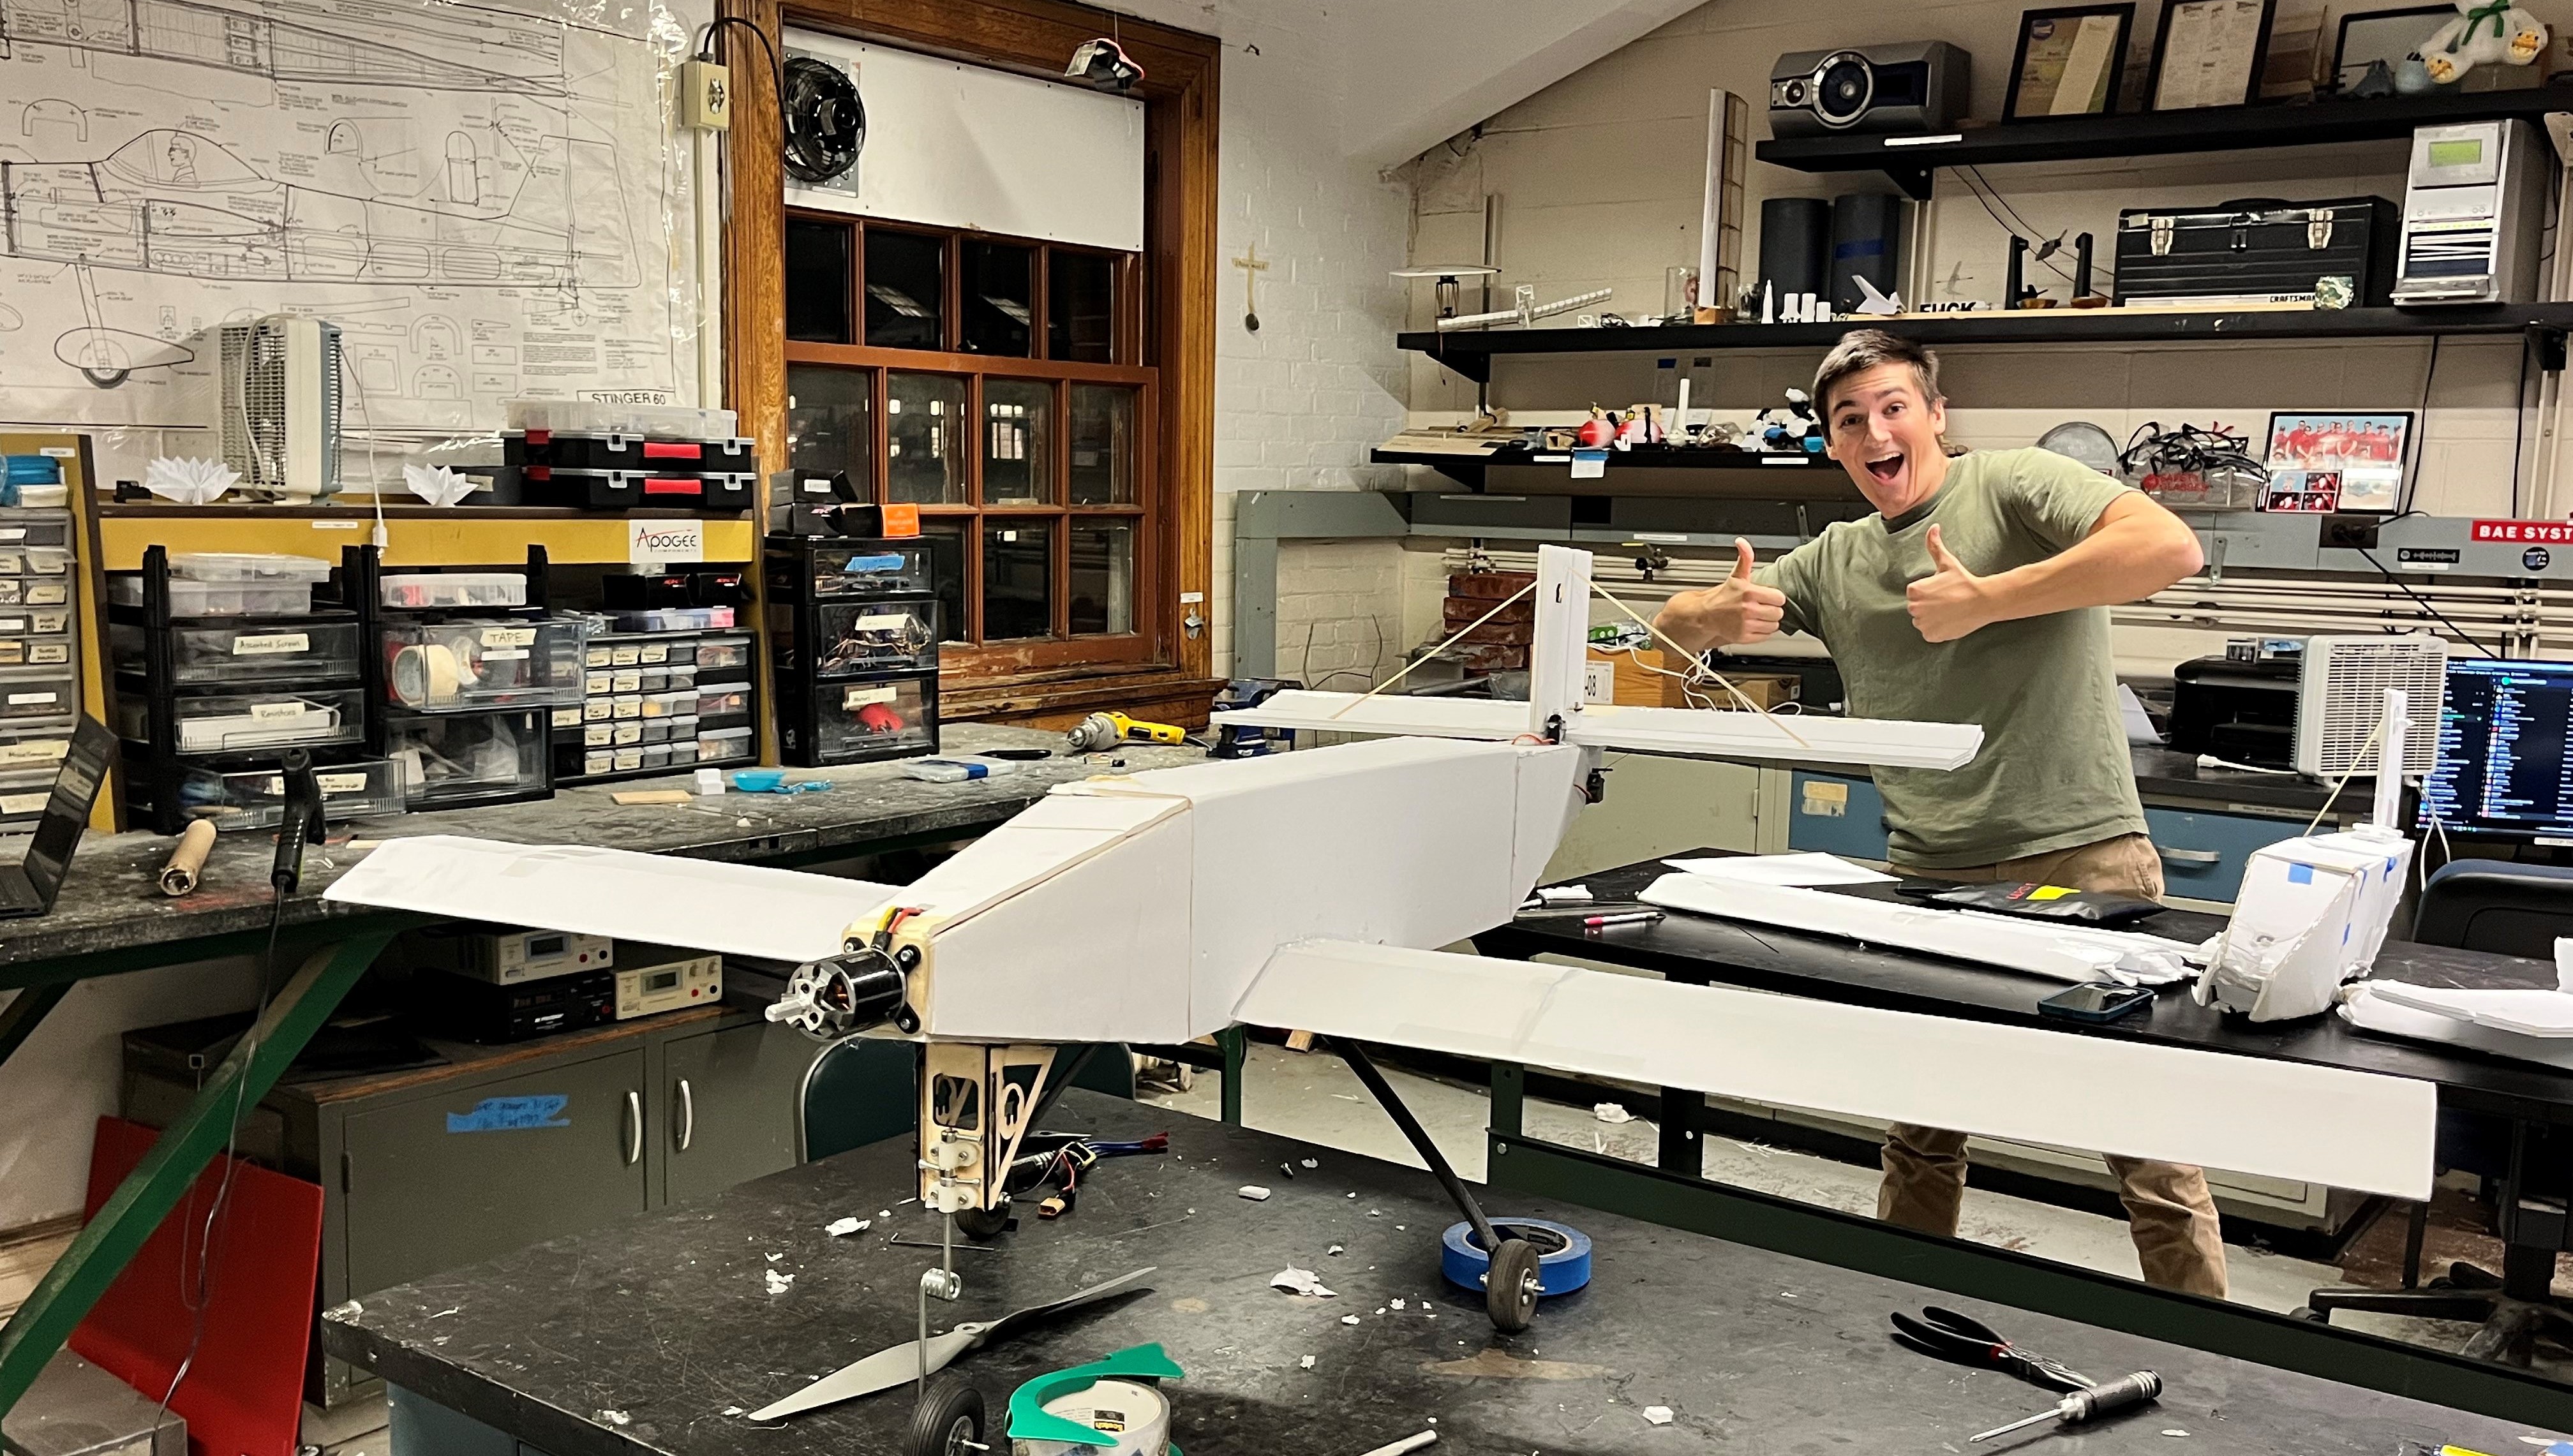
(1910, 161)
(1470, 351)
(1471, 469)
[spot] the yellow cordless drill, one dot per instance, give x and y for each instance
(1110, 730)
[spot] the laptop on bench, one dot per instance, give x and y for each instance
(29, 887)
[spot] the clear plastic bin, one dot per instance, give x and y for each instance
(721, 654)
(723, 743)
(681, 753)
(36, 637)
(443, 591)
(625, 734)
(453, 667)
(248, 566)
(657, 755)
(34, 528)
(237, 722)
(369, 788)
(597, 761)
(878, 569)
(874, 637)
(718, 702)
(671, 705)
(34, 561)
(880, 719)
(246, 654)
(464, 757)
(38, 692)
(279, 598)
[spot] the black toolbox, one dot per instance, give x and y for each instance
(589, 489)
(2257, 250)
(627, 453)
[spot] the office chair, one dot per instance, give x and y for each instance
(862, 1089)
(2512, 910)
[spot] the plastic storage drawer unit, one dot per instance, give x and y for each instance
(467, 758)
(857, 721)
(264, 652)
(448, 667)
(240, 722)
(36, 636)
(256, 799)
(37, 692)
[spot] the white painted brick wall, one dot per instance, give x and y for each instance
(1300, 402)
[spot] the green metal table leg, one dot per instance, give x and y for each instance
(1509, 1098)
(1235, 1044)
(19, 1019)
(135, 1209)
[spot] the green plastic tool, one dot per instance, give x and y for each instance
(1030, 1423)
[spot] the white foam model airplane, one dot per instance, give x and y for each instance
(1311, 889)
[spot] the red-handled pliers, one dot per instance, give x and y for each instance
(1966, 1340)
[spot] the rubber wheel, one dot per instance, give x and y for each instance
(948, 1415)
(983, 1224)
(1509, 1286)
(2307, 1313)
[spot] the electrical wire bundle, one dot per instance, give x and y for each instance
(2187, 458)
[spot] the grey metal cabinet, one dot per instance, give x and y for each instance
(433, 1168)
(460, 1175)
(728, 1107)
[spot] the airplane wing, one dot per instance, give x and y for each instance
(1678, 732)
(699, 905)
(2256, 1115)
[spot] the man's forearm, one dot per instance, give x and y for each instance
(2126, 558)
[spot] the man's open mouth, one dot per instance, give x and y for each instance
(1886, 470)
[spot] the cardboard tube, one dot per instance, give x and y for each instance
(187, 861)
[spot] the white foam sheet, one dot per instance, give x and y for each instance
(1682, 732)
(734, 910)
(2365, 1009)
(2058, 951)
(1040, 841)
(2248, 1113)
(2530, 1012)
(1796, 871)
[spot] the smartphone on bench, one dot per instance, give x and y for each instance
(2095, 1000)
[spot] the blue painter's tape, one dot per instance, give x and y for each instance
(505, 1114)
(2300, 874)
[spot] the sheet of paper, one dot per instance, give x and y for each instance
(2533, 1012)
(1802, 871)
(697, 905)
(2139, 724)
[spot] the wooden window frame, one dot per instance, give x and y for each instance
(1170, 326)
(973, 661)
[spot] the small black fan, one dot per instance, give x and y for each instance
(826, 123)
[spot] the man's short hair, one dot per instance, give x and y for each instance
(1862, 349)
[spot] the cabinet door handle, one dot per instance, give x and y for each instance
(634, 1128)
(687, 1114)
(2190, 857)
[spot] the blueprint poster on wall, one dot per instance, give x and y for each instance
(489, 199)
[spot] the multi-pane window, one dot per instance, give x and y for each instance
(995, 383)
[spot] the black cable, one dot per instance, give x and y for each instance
(2421, 426)
(202, 1298)
(776, 66)
(2015, 224)
(2424, 604)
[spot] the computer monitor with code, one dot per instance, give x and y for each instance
(2503, 768)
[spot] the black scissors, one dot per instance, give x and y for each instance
(1966, 1340)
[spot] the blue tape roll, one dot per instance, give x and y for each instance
(1563, 1255)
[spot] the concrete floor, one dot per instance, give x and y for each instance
(1314, 1098)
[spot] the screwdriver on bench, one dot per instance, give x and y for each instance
(2089, 1405)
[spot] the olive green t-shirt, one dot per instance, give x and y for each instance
(2054, 770)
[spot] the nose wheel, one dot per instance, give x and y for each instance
(983, 1224)
(949, 1420)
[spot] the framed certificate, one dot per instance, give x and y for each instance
(2209, 53)
(2069, 61)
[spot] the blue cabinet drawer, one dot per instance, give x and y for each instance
(1835, 815)
(2203, 854)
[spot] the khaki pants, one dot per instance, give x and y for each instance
(2169, 1211)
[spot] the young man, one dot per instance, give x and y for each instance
(1979, 593)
